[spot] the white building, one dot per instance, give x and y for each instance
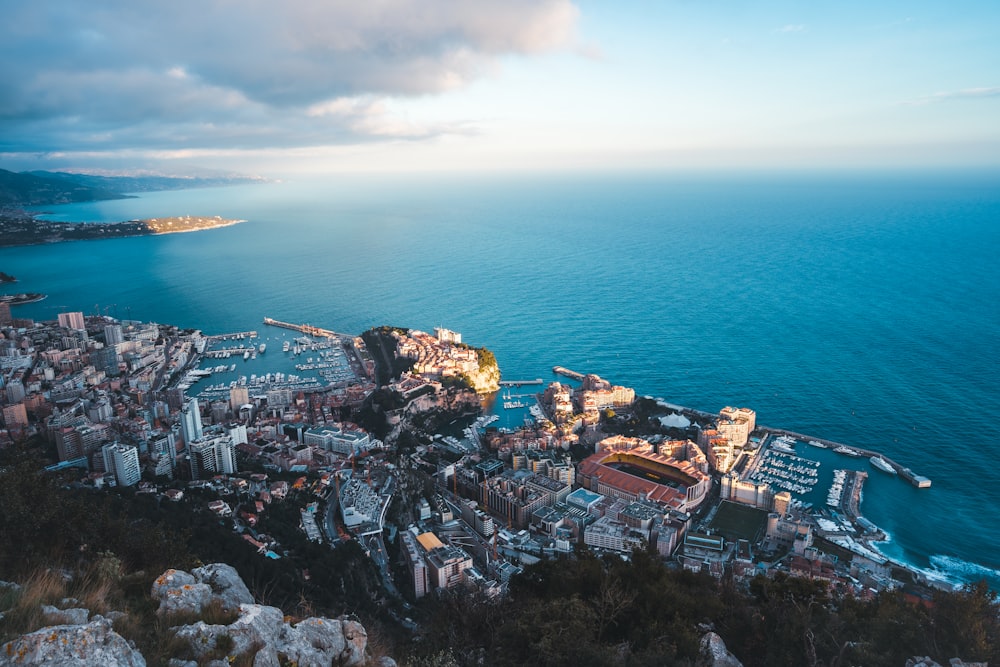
(191, 421)
(213, 456)
(123, 461)
(338, 439)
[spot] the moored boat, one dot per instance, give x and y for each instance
(883, 465)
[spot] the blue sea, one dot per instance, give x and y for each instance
(859, 307)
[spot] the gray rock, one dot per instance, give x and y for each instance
(6, 586)
(927, 661)
(314, 641)
(66, 603)
(385, 661)
(256, 627)
(179, 592)
(56, 616)
(715, 654)
(357, 643)
(227, 587)
(259, 629)
(114, 616)
(177, 662)
(92, 645)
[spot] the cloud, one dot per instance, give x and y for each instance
(220, 74)
(965, 94)
(791, 28)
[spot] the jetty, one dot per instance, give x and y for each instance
(519, 383)
(573, 375)
(239, 335)
(307, 329)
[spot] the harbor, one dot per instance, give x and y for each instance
(886, 465)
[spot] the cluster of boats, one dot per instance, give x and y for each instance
(787, 472)
(304, 344)
(472, 430)
(784, 444)
(836, 493)
(261, 385)
(226, 352)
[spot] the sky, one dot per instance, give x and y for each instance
(270, 88)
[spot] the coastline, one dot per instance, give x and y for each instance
(27, 230)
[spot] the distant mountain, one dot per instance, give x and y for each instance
(38, 188)
(144, 182)
(27, 189)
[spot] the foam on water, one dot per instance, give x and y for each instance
(962, 571)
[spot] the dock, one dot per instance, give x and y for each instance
(573, 375)
(918, 481)
(239, 335)
(519, 383)
(307, 329)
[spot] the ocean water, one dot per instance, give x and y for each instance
(863, 308)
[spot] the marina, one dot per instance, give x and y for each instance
(784, 470)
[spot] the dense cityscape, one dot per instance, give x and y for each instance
(128, 404)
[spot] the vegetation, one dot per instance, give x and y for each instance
(104, 549)
(606, 611)
(382, 346)
(487, 359)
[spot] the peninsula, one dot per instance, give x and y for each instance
(20, 228)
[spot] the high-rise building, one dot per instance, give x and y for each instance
(239, 396)
(416, 563)
(105, 359)
(191, 421)
(15, 415)
(212, 457)
(113, 335)
(5, 318)
(72, 321)
(123, 461)
(15, 391)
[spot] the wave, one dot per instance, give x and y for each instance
(963, 569)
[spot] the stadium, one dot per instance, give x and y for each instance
(645, 475)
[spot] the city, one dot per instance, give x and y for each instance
(369, 451)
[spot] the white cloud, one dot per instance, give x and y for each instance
(258, 73)
(797, 27)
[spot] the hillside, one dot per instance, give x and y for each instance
(40, 188)
(31, 190)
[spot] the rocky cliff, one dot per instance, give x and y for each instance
(211, 618)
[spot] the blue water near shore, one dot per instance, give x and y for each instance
(862, 308)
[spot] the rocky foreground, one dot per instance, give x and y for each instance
(214, 621)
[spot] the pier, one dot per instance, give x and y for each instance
(307, 329)
(573, 375)
(519, 383)
(239, 335)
